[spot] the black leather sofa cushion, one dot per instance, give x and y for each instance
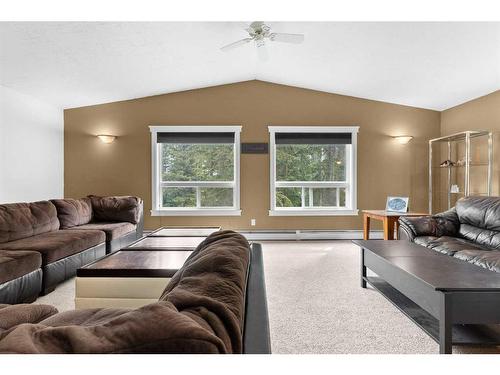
(489, 259)
(16, 263)
(447, 245)
(480, 212)
(424, 240)
(484, 237)
(59, 244)
(112, 230)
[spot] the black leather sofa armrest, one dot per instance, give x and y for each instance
(405, 231)
(443, 224)
(256, 334)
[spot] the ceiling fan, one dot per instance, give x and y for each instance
(259, 32)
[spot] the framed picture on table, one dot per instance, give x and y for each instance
(397, 204)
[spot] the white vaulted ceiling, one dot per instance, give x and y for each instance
(429, 65)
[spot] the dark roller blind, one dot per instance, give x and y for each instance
(190, 138)
(313, 138)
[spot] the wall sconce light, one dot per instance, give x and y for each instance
(106, 138)
(403, 139)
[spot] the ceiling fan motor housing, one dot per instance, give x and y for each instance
(259, 31)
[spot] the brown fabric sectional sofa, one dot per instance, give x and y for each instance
(216, 303)
(43, 243)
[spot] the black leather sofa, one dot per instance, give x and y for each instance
(470, 231)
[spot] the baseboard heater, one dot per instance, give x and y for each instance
(304, 235)
(309, 234)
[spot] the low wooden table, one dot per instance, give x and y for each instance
(127, 278)
(172, 238)
(389, 219)
(172, 231)
(165, 243)
(137, 274)
(454, 302)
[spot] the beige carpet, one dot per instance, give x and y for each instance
(317, 306)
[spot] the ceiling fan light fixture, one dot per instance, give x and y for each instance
(258, 32)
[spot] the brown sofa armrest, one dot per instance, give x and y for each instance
(117, 208)
(13, 315)
(443, 224)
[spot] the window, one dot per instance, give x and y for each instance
(195, 170)
(313, 170)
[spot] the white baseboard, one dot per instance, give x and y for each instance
(298, 235)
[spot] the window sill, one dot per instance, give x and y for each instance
(197, 212)
(312, 212)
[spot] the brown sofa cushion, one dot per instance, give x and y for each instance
(17, 263)
(210, 287)
(73, 212)
(112, 230)
(202, 312)
(13, 315)
(21, 220)
(125, 208)
(59, 244)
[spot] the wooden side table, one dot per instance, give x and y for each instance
(389, 219)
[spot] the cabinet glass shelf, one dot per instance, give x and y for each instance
(474, 151)
(462, 166)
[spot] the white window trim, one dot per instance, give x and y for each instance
(352, 208)
(155, 176)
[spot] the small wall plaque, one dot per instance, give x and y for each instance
(254, 148)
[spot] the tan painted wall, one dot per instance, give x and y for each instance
(124, 167)
(479, 114)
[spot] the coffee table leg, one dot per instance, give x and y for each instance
(445, 326)
(363, 269)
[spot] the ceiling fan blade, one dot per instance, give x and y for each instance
(287, 38)
(262, 53)
(235, 44)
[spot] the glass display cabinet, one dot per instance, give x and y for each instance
(459, 165)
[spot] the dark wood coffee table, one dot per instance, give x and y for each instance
(171, 231)
(137, 274)
(172, 239)
(127, 278)
(161, 243)
(146, 263)
(454, 302)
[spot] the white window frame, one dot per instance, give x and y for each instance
(351, 175)
(157, 210)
